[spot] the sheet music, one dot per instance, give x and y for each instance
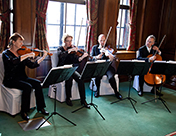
(160, 61)
(136, 60)
(57, 72)
(171, 62)
(125, 60)
(62, 67)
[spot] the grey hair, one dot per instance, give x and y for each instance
(151, 36)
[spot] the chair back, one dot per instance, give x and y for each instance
(1, 69)
(54, 59)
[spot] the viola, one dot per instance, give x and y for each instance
(24, 50)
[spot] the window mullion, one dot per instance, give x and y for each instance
(61, 22)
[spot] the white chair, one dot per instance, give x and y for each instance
(60, 94)
(105, 87)
(10, 98)
(146, 88)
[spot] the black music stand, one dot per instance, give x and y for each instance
(57, 75)
(164, 69)
(93, 70)
(132, 68)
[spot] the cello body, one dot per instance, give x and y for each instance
(154, 79)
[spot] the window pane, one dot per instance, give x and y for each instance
(53, 16)
(53, 34)
(56, 23)
(81, 14)
(123, 20)
(70, 14)
(124, 2)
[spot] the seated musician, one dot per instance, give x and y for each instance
(67, 55)
(144, 51)
(96, 54)
(15, 76)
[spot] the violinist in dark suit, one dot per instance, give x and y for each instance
(67, 55)
(144, 51)
(97, 54)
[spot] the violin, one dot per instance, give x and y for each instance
(79, 52)
(24, 50)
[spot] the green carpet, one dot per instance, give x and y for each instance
(153, 119)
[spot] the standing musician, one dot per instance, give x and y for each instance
(67, 55)
(15, 76)
(97, 54)
(144, 51)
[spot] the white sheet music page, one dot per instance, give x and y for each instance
(160, 61)
(171, 62)
(125, 60)
(136, 60)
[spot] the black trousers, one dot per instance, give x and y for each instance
(81, 87)
(26, 85)
(141, 82)
(110, 74)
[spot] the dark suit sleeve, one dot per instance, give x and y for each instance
(93, 51)
(143, 53)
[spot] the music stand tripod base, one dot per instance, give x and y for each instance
(57, 75)
(54, 113)
(158, 98)
(128, 97)
(93, 70)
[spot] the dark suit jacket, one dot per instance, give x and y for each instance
(96, 51)
(143, 53)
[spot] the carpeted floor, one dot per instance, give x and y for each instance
(152, 119)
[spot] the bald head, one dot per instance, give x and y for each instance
(101, 39)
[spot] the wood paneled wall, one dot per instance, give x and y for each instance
(157, 17)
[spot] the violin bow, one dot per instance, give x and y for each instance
(79, 33)
(160, 43)
(33, 39)
(107, 36)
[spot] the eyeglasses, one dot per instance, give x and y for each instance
(68, 41)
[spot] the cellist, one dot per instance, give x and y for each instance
(144, 51)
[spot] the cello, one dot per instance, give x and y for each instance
(155, 79)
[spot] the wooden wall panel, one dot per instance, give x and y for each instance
(149, 12)
(168, 27)
(24, 16)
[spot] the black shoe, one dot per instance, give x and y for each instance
(43, 111)
(69, 102)
(96, 94)
(24, 116)
(118, 95)
(140, 93)
(157, 92)
(85, 104)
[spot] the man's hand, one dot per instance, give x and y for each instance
(152, 58)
